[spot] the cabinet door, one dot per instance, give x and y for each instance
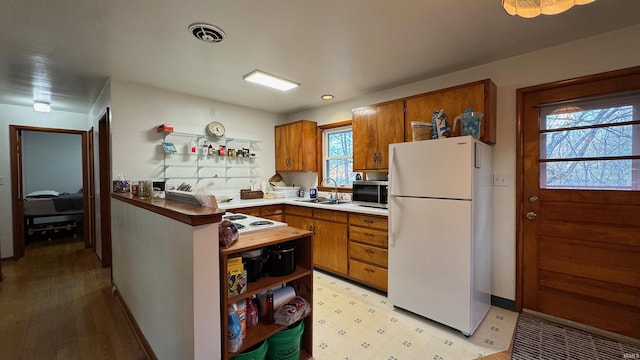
(299, 222)
(364, 145)
(296, 146)
(374, 128)
(479, 96)
(282, 150)
(330, 246)
(390, 130)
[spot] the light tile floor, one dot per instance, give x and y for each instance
(352, 323)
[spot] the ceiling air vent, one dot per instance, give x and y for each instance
(207, 33)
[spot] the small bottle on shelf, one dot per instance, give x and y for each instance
(267, 316)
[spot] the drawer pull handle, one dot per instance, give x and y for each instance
(369, 270)
(368, 221)
(369, 251)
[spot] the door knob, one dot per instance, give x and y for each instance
(531, 215)
(533, 199)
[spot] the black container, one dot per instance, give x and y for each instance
(281, 259)
(253, 262)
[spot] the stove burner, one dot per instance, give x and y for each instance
(239, 226)
(235, 217)
(261, 223)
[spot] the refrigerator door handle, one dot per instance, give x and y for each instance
(392, 162)
(391, 196)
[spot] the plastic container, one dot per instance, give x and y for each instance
(254, 353)
(285, 345)
(421, 130)
(242, 316)
(234, 331)
(287, 191)
(470, 122)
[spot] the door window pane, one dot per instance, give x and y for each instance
(591, 144)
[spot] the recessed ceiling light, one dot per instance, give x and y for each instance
(327, 97)
(276, 82)
(41, 106)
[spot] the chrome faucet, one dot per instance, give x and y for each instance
(335, 184)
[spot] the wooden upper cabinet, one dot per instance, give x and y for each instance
(374, 128)
(479, 96)
(296, 146)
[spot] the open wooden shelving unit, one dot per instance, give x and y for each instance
(301, 280)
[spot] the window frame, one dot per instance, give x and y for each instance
(321, 156)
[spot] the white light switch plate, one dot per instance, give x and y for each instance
(501, 180)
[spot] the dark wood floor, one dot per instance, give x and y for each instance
(56, 303)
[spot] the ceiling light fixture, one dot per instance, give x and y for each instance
(327, 97)
(41, 106)
(276, 82)
(533, 8)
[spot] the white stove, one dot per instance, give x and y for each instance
(248, 224)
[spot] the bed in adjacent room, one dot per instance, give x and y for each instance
(64, 210)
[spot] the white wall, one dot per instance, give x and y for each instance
(51, 161)
(138, 109)
(24, 116)
(610, 51)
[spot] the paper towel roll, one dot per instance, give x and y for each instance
(282, 296)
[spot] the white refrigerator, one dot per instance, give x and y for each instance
(440, 229)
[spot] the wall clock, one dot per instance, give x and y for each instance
(215, 129)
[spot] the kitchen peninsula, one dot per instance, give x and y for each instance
(166, 274)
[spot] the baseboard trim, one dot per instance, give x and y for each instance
(503, 303)
(146, 347)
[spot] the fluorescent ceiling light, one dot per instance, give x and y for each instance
(262, 78)
(41, 106)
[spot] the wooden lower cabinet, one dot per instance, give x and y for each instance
(347, 244)
(301, 280)
(329, 229)
(368, 250)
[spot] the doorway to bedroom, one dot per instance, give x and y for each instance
(50, 187)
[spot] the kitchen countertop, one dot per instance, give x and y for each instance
(349, 207)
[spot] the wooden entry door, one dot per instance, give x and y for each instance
(579, 196)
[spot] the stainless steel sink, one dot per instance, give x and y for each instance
(324, 201)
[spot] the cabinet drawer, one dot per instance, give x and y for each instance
(368, 254)
(368, 236)
(331, 215)
(270, 210)
(368, 274)
(252, 211)
(369, 220)
(298, 210)
(274, 217)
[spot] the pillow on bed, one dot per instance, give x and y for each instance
(43, 194)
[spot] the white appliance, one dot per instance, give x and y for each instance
(248, 223)
(440, 229)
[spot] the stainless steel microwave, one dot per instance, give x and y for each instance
(370, 193)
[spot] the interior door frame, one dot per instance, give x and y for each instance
(15, 143)
(104, 186)
(622, 84)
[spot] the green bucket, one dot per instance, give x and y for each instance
(257, 354)
(285, 345)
